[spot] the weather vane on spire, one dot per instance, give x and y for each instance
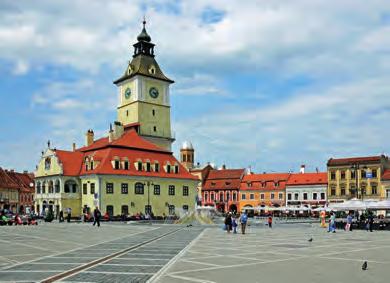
(144, 21)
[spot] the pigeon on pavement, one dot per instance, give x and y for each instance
(310, 240)
(364, 266)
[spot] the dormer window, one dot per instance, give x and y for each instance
(176, 169)
(213, 184)
(156, 167)
(227, 183)
(126, 164)
(148, 167)
(276, 184)
(91, 165)
(139, 166)
(116, 164)
(168, 168)
(152, 70)
(249, 184)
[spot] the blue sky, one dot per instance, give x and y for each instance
(266, 84)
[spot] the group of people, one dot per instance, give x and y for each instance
(232, 221)
(369, 222)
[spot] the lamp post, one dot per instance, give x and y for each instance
(148, 183)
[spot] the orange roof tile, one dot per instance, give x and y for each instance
(223, 179)
(320, 178)
(6, 181)
(71, 161)
(386, 174)
(266, 181)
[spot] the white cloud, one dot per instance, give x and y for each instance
(21, 68)
(342, 120)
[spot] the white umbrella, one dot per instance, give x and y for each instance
(383, 204)
(352, 204)
(318, 209)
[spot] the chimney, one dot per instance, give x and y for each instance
(74, 146)
(89, 137)
(118, 130)
(302, 171)
(223, 167)
(110, 134)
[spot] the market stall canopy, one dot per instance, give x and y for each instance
(353, 204)
(383, 204)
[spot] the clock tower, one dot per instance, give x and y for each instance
(144, 95)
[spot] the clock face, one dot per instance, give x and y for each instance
(153, 92)
(127, 93)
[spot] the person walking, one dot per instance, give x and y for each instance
(243, 220)
(370, 221)
(61, 219)
(348, 226)
(228, 222)
(96, 215)
(270, 221)
(333, 222)
(69, 214)
(234, 224)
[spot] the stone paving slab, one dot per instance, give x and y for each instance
(283, 254)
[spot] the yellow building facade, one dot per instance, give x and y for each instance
(358, 177)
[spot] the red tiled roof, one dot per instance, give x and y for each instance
(23, 180)
(351, 160)
(131, 146)
(266, 181)
(225, 174)
(71, 161)
(129, 139)
(223, 179)
(6, 181)
(108, 154)
(320, 178)
(386, 174)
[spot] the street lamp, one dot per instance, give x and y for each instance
(148, 183)
(356, 168)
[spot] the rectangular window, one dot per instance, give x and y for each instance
(109, 188)
(125, 209)
(342, 191)
(333, 192)
(342, 175)
(92, 188)
(333, 175)
(280, 196)
(353, 176)
(305, 196)
(212, 197)
(322, 195)
(314, 195)
(272, 196)
(374, 173)
(157, 190)
(262, 196)
(157, 167)
(117, 164)
(296, 196)
(185, 207)
(185, 191)
(125, 188)
(171, 210)
(171, 190)
(110, 210)
(84, 189)
(363, 174)
(289, 197)
(139, 188)
(374, 190)
(252, 196)
(243, 196)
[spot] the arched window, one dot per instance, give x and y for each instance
(47, 163)
(44, 187)
(38, 187)
(139, 188)
(57, 186)
(221, 196)
(51, 187)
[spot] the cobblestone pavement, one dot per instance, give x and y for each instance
(57, 248)
(283, 254)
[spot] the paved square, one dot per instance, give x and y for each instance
(174, 253)
(283, 254)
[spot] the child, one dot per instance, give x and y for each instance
(234, 224)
